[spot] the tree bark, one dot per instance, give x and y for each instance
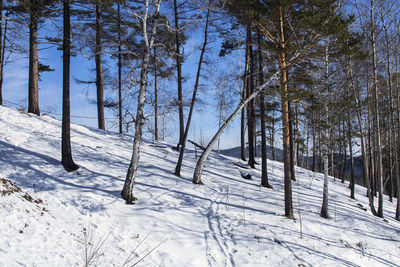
(377, 115)
(325, 208)
(391, 132)
(200, 163)
(66, 154)
(1, 55)
(179, 74)
(245, 94)
(264, 166)
(243, 131)
(119, 68)
(272, 144)
(33, 98)
(196, 85)
(345, 153)
(285, 119)
(99, 68)
(314, 157)
(250, 107)
(350, 137)
(3, 52)
(155, 95)
(127, 191)
(291, 135)
(363, 146)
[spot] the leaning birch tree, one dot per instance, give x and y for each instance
(149, 24)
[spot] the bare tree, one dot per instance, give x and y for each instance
(147, 21)
(196, 86)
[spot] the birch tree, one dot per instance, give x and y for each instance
(149, 23)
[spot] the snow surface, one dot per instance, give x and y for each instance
(47, 214)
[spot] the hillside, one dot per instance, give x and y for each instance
(49, 216)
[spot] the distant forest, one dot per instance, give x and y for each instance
(321, 75)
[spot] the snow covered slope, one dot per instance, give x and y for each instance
(48, 217)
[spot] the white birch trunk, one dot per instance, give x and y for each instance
(127, 191)
(202, 160)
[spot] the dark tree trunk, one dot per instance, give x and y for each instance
(264, 166)
(366, 169)
(155, 95)
(345, 152)
(377, 116)
(99, 68)
(350, 137)
(291, 135)
(1, 55)
(314, 157)
(179, 74)
(245, 94)
(119, 69)
(3, 50)
(250, 106)
(182, 148)
(66, 154)
(296, 134)
(243, 132)
(273, 136)
(33, 105)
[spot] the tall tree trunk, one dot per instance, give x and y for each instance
(33, 105)
(99, 68)
(155, 95)
(250, 107)
(397, 170)
(325, 208)
(296, 135)
(264, 166)
(367, 179)
(119, 68)
(371, 149)
(314, 149)
(66, 154)
(245, 94)
(345, 152)
(201, 161)
(307, 165)
(391, 132)
(291, 135)
(3, 50)
(332, 155)
(350, 137)
(377, 115)
(272, 145)
(196, 85)
(178, 58)
(1, 55)
(285, 118)
(127, 191)
(243, 131)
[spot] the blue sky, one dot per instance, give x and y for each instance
(205, 119)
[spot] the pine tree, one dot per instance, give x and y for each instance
(66, 154)
(36, 10)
